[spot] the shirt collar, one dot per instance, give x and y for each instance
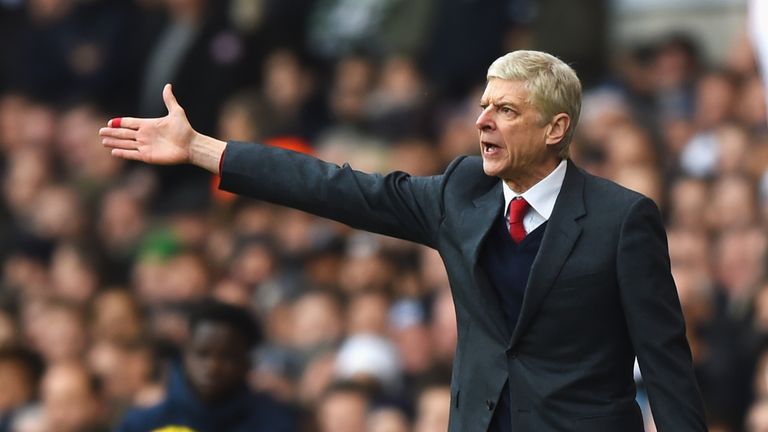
(542, 195)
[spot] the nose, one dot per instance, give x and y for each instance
(485, 119)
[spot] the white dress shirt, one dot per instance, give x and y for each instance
(541, 197)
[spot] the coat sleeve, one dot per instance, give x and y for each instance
(655, 321)
(395, 204)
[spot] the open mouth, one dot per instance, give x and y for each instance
(490, 148)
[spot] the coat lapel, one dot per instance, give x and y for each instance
(477, 221)
(560, 236)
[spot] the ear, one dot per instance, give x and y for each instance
(557, 128)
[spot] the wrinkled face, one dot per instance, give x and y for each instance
(215, 360)
(512, 134)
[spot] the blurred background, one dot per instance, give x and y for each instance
(102, 258)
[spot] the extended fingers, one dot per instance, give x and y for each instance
(127, 154)
(117, 143)
(113, 132)
(126, 122)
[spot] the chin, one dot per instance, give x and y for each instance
(491, 169)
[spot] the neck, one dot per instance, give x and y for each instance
(529, 177)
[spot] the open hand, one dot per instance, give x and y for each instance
(162, 141)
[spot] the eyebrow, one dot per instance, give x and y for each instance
(501, 102)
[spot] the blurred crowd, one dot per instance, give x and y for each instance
(102, 259)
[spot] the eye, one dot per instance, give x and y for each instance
(506, 110)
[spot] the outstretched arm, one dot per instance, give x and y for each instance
(168, 140)
(397, 204)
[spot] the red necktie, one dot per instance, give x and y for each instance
(518, 207)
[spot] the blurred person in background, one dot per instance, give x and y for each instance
(339, 27)
(121, 221)
(116, 316)
(192, 43)
(715, 99)
(732, 203)
(240, 118)
(757, 419)
(25, 272)
(27, 123)
(396, 106)
(60, 214)
(287, 106)
(72, 399)
(365, 268)
(676, 63)
(432, 411)
(9, 330)
(187, 279)
(74, 273)
(367, 313)
(414, 155)
(253, 262)
(209, 391)
(733, 149)
(432, 270)
(750, 105)
(387, 418)
(456, 136)
(26, 175)
(59, 331)
(740, 254)
(688, 200)
(69, 49)
(444, 333)
(644, 180)
(317, 324)
(731, 342)
(317, 377)
(343, 407)
(20, 373)
(127, 372)
(411, 335)
(91, 171)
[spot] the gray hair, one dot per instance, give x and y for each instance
(552, 85)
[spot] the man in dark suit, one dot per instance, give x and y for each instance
(559, 278)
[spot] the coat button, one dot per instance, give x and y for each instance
(490, 404)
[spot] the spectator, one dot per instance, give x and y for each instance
(432, 409)
(115, 316)
(72, 400)
(343, 408)
(387, 419)
(20, 372)
(758, 417)
(60, 333)
(209, 392)
(367, 313)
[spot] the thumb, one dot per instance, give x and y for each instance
(170, 100)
